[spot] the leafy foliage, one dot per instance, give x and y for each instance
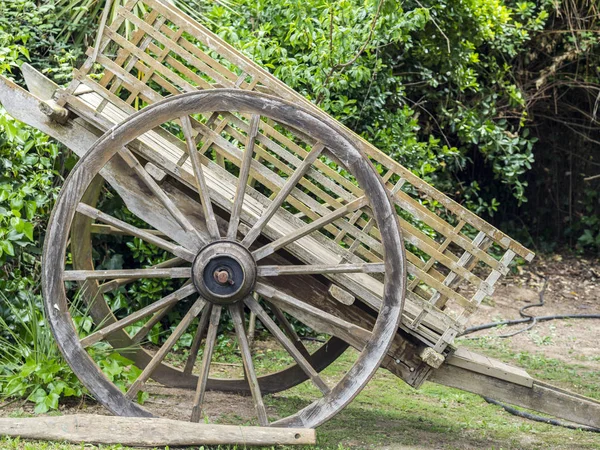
(425, 82)
(31, 32)
(31, 366)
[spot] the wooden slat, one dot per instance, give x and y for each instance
(218, 45)
(135, 40)
(143, 45)
(150, 62)
(161, 55)
(228, 52)
(176, 48)
(146, 432)
(476, 362)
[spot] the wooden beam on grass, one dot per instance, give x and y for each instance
(149, 432)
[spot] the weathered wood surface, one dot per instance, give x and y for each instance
(402, 359)
(429, 322)
(452, 253)
(478, 363)
(78, 136)
(149, 432)
(539, 396)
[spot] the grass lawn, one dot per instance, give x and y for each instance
(390, 415)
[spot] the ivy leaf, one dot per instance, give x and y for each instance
(142, 396)
(8, 248)
(30, 209)
(41, 408)
(28, 230)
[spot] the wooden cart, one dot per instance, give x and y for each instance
(268, 207)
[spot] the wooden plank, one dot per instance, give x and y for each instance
(275, 183)
(444, 259)
(149, 432)
(132, 62)
(135, 40)
(423, 214)
(150, 62)
(176, 48)
(223, 76)
(539, 397)
(161, 54)
(468, 261)
(288, 157)
(277, 87)
(476, 362)
(78, 137)
(359, 287)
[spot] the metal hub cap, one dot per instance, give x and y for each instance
(224, 272)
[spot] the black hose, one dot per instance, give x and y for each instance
(542, 419)
(486, 326)
(527, 318)
(532, 320)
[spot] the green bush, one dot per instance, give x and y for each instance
(31, 366)
(426, 82)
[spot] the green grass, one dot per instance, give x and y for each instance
(389, 414)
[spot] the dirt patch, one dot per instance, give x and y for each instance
(573, 287)
(177, 404)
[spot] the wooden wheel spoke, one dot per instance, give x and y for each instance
(282, 195)
(309, 228)
(166, 348)
(146, 236)
(130, 274)
(289, 329)
(98, 228)
(191, 361)
(114, 284)
(175, 212)
(273, 271)
(158, 305)
(236, 209)
(314, 317)
(211, 221)
(287, 344)
(157, 317)
(211, 339)
(238, 322)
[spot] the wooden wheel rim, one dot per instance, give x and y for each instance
(337, 142)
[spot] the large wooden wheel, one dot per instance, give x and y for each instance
(225, 267)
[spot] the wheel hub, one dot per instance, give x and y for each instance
(224, 272)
